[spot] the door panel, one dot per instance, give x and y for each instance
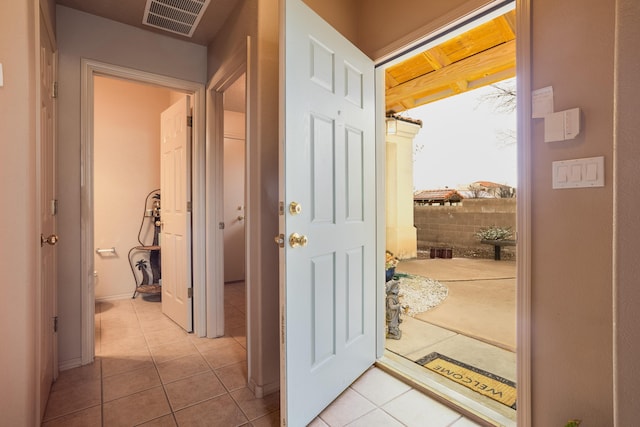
(175, 237)
(47, 357)
(328, 286)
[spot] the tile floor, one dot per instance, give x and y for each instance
(149, 372)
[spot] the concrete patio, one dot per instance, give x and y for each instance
(475, 325)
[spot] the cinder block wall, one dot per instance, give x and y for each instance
(455, 226)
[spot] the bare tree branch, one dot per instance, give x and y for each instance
(503, 97)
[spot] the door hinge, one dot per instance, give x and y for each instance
(54, 207)
(55, 324)
(221, 225)
(282, 329)
(190, 292)
(190, 121)
(281, 208)
(189, 206)
(54, 91)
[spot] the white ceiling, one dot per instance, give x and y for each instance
(131, 12)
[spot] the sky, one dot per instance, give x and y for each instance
(461, 143)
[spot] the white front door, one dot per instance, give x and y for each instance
(328, 283)
(175, 191)
(47, 291)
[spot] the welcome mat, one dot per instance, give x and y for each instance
(478, 380)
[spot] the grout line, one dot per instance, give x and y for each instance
(155, 365)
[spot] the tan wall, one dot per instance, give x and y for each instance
(571, 277)
(81, 35)
(260, 21)
(20, 249)
(455, 226)
(126, 169)
(626, 206)
(343, 15)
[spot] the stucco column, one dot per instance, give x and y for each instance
(401, 232)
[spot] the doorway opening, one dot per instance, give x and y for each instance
(474, 54)
(233, 207)
(126, 186)
(171, 87)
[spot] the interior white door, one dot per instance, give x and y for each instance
(234, 222)
(175, 234)
(47, 355)
(328, 282)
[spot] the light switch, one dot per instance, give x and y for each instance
(578, 173)
(563, 173)
(591, 172)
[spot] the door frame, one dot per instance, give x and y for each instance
(227, 74)
(448, 24)
(89, 69)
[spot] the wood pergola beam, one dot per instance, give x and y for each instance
(499, 61)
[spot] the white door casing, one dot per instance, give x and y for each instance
(47, 292)
(175, 235)
(91, 68)
(328, 286)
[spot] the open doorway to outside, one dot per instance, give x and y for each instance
(454, 289)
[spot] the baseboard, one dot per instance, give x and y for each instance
(264, 390)
(115, 297)
(70, 364)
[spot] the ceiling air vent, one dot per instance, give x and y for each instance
(176, 16)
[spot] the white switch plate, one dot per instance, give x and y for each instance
(1, 76)
(578, 173)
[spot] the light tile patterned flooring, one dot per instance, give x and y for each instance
(149, 372)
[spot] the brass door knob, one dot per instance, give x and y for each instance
(279, 239)
(296, 240)
(295, 208)
(51, 240)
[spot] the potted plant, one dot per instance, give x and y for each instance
(494, 233)
(390, 265)
(496, 236)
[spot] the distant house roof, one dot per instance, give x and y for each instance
(431, 196)
(489, 184)
(494, 189)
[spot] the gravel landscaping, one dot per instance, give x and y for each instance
(420, 294)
